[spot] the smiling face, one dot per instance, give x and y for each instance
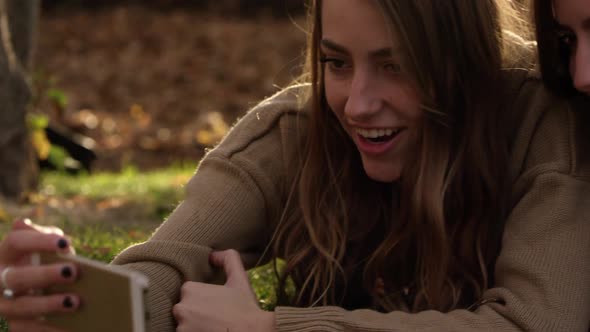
(573, 17)
(366, 86)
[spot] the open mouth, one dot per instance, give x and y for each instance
(378, 136)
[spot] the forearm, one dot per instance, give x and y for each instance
(335, 319)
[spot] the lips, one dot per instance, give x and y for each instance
(377, 141)
(378, 134)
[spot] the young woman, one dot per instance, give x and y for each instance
(563, 35)
(416, 183)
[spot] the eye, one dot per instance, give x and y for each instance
(567, 38)
(393, 68)
(334, 64)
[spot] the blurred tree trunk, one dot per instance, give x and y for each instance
(18, 26)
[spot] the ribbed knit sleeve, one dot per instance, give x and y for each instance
(231, 202)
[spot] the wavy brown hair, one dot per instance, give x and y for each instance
(430, 240)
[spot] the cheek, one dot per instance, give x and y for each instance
(415, 111)
(406, 99)
(572, 64)
(336, 96)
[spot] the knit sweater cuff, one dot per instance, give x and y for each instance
(328, 319)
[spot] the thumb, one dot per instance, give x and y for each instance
(236, 276)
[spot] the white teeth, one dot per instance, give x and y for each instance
(375, 133)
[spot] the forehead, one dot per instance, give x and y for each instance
(572, 12)
(358, 22)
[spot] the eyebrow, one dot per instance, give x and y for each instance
(386, 52)
(561, 27)
(585, 24)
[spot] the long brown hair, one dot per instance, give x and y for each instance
(433, 236)
(553, 56)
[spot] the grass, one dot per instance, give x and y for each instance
(161, 190)
(151, 186)
(102, 240)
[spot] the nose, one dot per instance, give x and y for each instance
(580, 67)
(364, 96)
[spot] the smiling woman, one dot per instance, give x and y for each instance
(419, 179)
(366, 88)
(385, 200)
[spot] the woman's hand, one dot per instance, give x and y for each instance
(22, 311)
(231, 307)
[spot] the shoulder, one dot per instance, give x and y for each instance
(551, 134)
(580, 109)
(546, 231)
(274, 120)
(258, 149)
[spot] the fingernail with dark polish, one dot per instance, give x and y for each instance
(68, 303)
(66, 272)
(62, 243)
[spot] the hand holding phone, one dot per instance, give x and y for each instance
(112, 298)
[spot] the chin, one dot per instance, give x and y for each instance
(382, 173)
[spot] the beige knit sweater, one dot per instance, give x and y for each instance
(542, 274)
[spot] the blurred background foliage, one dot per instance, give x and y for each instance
(147, 87)
(241, 7)
(150, 83)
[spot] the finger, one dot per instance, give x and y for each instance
(23, 279)
(231, 263)
(27, 224)
(31, 326)
(29, 307)
(23, 242)
(21, 224)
